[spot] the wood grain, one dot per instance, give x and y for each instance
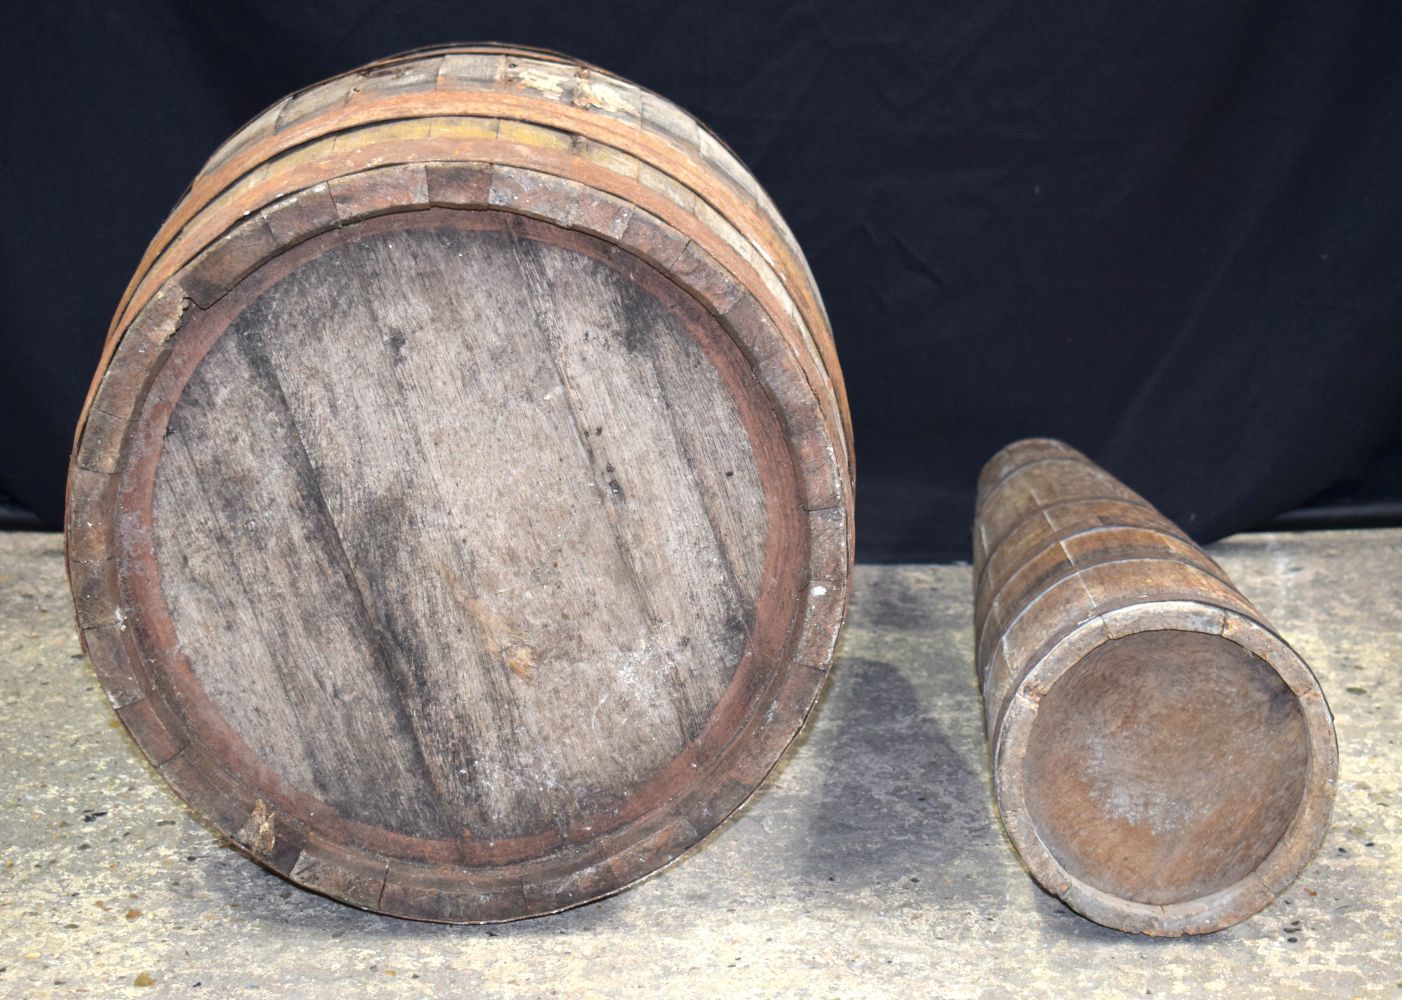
(1163, 761)
(555, 524)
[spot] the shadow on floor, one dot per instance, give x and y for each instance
(898, 798)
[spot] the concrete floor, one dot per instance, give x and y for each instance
(871, 864)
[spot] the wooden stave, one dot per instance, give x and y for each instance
(1169, 584)
(141, 342)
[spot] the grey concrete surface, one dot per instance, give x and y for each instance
(871, 863)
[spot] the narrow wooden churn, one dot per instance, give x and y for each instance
(1163, 760)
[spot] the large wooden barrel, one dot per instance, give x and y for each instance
(1163, 761)
(460, 519)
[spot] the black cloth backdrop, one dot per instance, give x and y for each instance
(1168, 233)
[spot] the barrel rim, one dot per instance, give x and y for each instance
(1285, 861)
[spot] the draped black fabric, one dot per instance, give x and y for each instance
(1170, 234)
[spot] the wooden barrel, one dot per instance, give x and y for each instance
(1163, 761)
(460, 520)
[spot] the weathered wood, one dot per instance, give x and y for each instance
(1164, 762)
(461, 516)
